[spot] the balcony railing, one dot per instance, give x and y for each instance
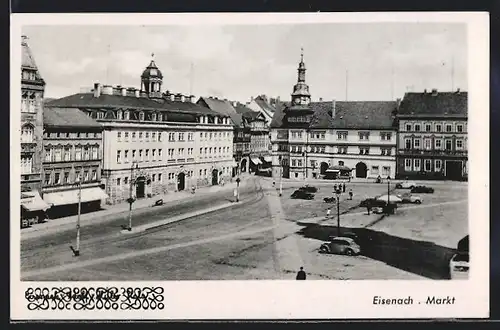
(432, 152)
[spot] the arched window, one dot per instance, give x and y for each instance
(141, 115)
(32, 104)
(119, 114)
(27, 132)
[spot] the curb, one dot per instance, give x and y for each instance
(161, 223)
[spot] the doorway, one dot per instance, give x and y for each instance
(215, 177)
(243, 166)
(323, 167)
(361, 170)
(140, 187)
(453, 170)
(181, 181)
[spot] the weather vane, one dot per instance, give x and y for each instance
(152, 56)
(302, 53)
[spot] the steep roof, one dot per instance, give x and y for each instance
(347, 115)
(87, 100)
(438, 104)
(223, 107)
(67, 117)
(265, 106)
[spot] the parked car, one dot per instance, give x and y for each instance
(341, 245)
(329, 199)
(301, 194)
(309, 189)
(404, 198)
(459, 266)
(406, 185)
(422, 190)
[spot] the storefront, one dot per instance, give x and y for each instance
(65, 203)
(254, 164)
(33, 208)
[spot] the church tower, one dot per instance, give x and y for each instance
(151, 80)
(301, 95)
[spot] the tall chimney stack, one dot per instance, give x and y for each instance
(97, 89)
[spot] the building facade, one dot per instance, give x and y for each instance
(433, 136)
(309, 138)
(155, 142)
(264, 105)
(71, 162)
(32, 90)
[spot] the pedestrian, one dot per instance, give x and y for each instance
(368, 208)
(343, 187)
(274, 183)
(301, 274)
(335, 188)
(350, 194)
(328, 211)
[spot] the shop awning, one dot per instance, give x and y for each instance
(71, 196)
(256, 161)
(32, 201)
(268, 159)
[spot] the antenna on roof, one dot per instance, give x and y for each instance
(346, 84)
(453, 73)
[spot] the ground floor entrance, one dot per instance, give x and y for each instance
(140, 187)
(453, 169)
(181, 181)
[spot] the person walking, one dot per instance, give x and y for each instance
(350, 194)
(301, 274)
(328, 212)
(343, 187)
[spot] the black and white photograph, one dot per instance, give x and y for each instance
(328, 152)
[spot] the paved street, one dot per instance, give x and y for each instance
(263, 237)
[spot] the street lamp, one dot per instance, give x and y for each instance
(388, 194)
(76, 251)
(281, 174)
(337, 192)
(131, 198)
(238, 189)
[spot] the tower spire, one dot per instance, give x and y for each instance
(301, 95)
(302, 54)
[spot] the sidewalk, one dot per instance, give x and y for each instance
(102, 216)
(362, 181)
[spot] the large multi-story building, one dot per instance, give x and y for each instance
(433, 135)
(353, 138)
(72, 161)
(32, 90)
(155, 142)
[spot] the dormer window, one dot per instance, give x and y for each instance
(141, 115)
(119, 114)
(153, 117)
(160, 118)
(127, 115)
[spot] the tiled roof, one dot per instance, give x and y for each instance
(348, 115)
(427, 104)
(223, 107)
(87, 100)
(67, 117)
(264, 105)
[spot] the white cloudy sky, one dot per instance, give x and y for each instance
(236, 62)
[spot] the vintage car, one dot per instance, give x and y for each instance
(329, 199)
(341, 245)
(309, 189)
(401, 198)
(301, 194)
(406, 185)
(422, 190)
(459, 263)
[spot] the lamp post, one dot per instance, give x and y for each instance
(388, 194)
(281, 174)
(131, 198)
(238, 190)
(337, 192)
(76, 251)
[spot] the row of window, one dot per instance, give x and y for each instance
(341, 135)
(26, 164)
(141, 155)
(27, 134)
(177, 136)
(340, 150)
(65, 176)
(437, 128)
(87, 135)
(70, 153)
(438, 144)
(171, 176)
(375, 170)
(28, 104)
(139, 136)
(416, 165)
(154, 116)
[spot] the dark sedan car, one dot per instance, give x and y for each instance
(422, 190)
(309, 189)
(301, 194)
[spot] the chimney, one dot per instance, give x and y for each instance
(137, 93)
(183, 98)
(321, 99)
(434, 92)
(97, 90)
(172, 97)
(425, 91)
(458, 90)
(192, 98)
(124, 91)
(235, 103)
(107, 90)
(143, 94)
(334, 109)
